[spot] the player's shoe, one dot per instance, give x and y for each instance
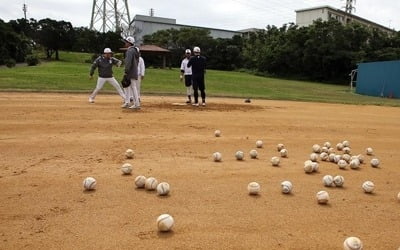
(188, 102)
(195, 104)
(91, 100)
(125, 105)
(203, 104)
(134, 107)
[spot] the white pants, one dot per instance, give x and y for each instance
(139, 83)
(132, 91)
(100, 83)
(189, 90)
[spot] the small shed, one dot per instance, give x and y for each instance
(154, 50)
(379, 79)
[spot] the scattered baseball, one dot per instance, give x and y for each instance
(324, 156)
(327, 144)
(280, 147)
(253, 154)
(398, 196)
(347, 150)
(315, 166)
(286, 187)
(89, 183)
(346, 157)
(322, 197)
(327, 180)
(338, 181)
(129, 153)
(284, 153)
(163, 189)
(368, 186)
(337, 158)
(331, 157)
(324, 149)
(217, 133)
(275, 161)
(165, 222)
(352, 243)
(253, 188)
(355, 163)
(259, 144)
(316, 148)
(140, 181)
(239, 155)
(217, 156)
(308, 167)
(331, 151)
(369, 151)
(339, 146)
(126, 168)
(151, 183)
(375, 163)
(342, 164)
(361, 158)
(314, 157)
(346, 144)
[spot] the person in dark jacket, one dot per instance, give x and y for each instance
(104, 64)
(198, 64)
(131, 72)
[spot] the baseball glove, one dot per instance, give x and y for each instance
(125, 81)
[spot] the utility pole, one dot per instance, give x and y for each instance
(24, 9)
(350, 6)
(151, 12)
(110, 15)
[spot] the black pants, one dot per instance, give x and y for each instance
(198, 84)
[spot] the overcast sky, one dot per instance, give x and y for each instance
(223, 14)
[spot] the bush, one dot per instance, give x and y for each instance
(92, 58)
(32, 60)
(119, 56)
(10, 63)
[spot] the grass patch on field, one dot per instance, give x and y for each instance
(71, 73)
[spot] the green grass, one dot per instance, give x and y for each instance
(71, 74)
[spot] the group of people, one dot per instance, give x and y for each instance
(193, 68)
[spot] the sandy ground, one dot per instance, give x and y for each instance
(50, 142)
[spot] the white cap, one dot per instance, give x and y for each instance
(196, 50)
(107, 51)
(188, 51)
(130, 40)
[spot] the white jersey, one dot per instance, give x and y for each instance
(141, 67)
(186, 70)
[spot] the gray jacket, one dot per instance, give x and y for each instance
(131, 63)
(105, 66)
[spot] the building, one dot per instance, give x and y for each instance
(306, 17)
(146, 25)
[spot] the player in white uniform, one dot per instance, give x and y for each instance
(186, 72)
(141, 72)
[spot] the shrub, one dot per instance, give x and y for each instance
(10, 63)
(32, 60)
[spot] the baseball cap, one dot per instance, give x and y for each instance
(188, 51)
(107, 51)
(196, 49)
(130, 40)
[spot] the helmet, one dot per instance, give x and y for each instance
(188, 51)
(196, 50)
(107, 51)
(130, 40)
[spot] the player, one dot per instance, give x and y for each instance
(186, 72)
(104, 64)
(131, 72)
(198, 64)
(141, 72)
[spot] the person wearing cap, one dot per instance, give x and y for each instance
(186, 72)
(198, 64)
(131, 72)
(104, 63)
(141, 72)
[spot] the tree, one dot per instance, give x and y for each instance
(12, 45)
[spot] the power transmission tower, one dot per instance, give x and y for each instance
(350, 6)
(110, 15)
(24, 9)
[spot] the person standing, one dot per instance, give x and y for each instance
(186, 72)
(141, 72)
(104, 64)
(131, 73)
(198, 64)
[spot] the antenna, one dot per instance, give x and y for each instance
(350, 6)
(151, 12)
(110, 15)
(24, 9)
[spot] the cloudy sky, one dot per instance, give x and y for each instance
(224, 14)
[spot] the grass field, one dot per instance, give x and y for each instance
(71, 74)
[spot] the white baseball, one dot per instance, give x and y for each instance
(375, 163)
(217, 156)
(342, 164)
(140, 181)
(355, 163)
(339, 146)
(346, 157)
(327, 144)
(253, 154)
(275, 161)
(398, 196)
(129, 153)
(368, 186)
(337, 158)
(361, 158)
(324, 156)
(151, 183)
(369, 151)
(287, 187)
(165, 222)
(314, 157)
(315, 166)
(338, 180)
(126, 168)
(324, 149)
(346, 144)
(280, 146)
(217, 133)
(316, 148)
(331, 157)
(331, 151)
(347, 150)
(239, 155)
(284, 153)
(89, 183)
(259, 144)
(327, 180)
(352, 243)
(322, 197)
(253, 188)
(308, 167)
(163, 189)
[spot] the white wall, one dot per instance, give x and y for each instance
(305, 18)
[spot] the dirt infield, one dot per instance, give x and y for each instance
(50, 142)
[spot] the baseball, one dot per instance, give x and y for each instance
(324, 149)
(369, 151)
(337, 158)
(217, 156)
(327, 144)
(140, 181)
(342, 164)
(259, 144)
(327, 180)
(324, 156)
(314, 157)
(346, 157)
(331, 157)
(315, 166)
(347, 150)
(346, 144)
(126, 168)
(165, 222)
(275, 161)
(352, 243)
(331, 151)
(163, 189)
(361, 158)
(308, 167)
(338, 180)
(355, 163)
(129, 153)
(253, 188)
(398, 196)
(284, 153)
(339, 146)
(150, 183)
(286, 187)
(375, 163)
(217, 133)
(368, 186)
(316, 148)
(253, 154)
(322, 197)
(239, 155)
(280, 147)
(89, 183)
